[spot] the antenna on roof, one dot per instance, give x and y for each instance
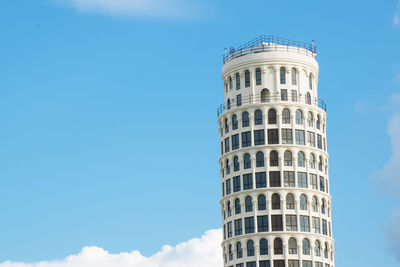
(313, 45)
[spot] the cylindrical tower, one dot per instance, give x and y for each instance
(275, 203)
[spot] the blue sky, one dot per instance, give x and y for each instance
(108, 126)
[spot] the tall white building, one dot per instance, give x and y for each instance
(275, 203)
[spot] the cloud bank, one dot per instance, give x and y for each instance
(137, 8)
(198, 252)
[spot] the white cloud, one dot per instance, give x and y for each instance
(396, 18)
(138, 8)
(392, 234)
(198, 252)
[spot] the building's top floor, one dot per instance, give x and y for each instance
(268, 43)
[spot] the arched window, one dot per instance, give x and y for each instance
(292, 246)
(226, 124)
(306, 247)
(230, 83)
(229, 209)
(247, 78)
(323, 206)
(286, 116)
(312, 161)
(320, 163)
(237, 77)
(258, 120)
(236, 165)
(260, 159)
(326, 250)
(234, 122)
(245, 119)
(288, 158)
(308, 98)
(278, 246)
(310, 81)
(283, 75)
(299, 117)
(271, 116)
(261, 203)
(290, 201)
(265, 95)
(246, 161)
(228, 104)
(317, 248)
(250, 248)
(263, 247)
(249, 204)
(294, 76)
(300, 159)
(303, 202)
(318, 122)
(273, 158)
(228, 167)
(314, 204)
(258, 76)
(238, 209)
(239, 250)
(230, 252)
(310, 119)
(276, 201)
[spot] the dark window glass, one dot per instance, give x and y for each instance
(276, 202)
(234, 122)
(228, 186)
(273, 136)
(265, 264)
(304, 223)
(324, 227)
(249, 204)
(238, 209)
(302, 179)
(228, 167)
(229, 229)
(321, 184)
(283, 75)
(228, 104)
(250, 248)
(237, 81)
(274, 178)
(246, 139)
(230, 252)
(236, 184)
(261, 203)
(258, 76)
(239, 252)
(276, 221)
(284, 95)
(238, 227)
(222, 148)
(262, 224)
(291, 223)
(230, 83)
(245, 119)
(226, 124)
(235, 141)
(258, 117)
(287, 136)
(251, 264)
(290, 202)
(307, 263)
(236, 165)
(263, 247)
(246, 161)
(273, 158)
(279, 263)
(226, 145)
(247, 181)
(306, 248)
(289, 180)
(260, 159)
(286, 116)
(249, 225)
(247, 78)
(278, 246)
(239, 100)
(259, 137)
(272, 116)
(293, 263)
(261, 180)
(300, 138)
(229, 209)
(311, 139)
(319, 141)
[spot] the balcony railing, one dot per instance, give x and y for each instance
(272, 98)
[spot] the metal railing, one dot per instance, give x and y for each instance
(265, 43)
(272, 98)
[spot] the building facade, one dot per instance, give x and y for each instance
(276, 206)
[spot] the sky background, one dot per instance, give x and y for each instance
(109, 135)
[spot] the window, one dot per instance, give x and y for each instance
(303, 202)
(300, 138)
(317, 249)
(294, 76)
(264, 264)
(323, 206)
(299, 117)
(258, 76)
(261, 203)
(234, 122)
(247, 181)
(320, 163)
(250, 248)
(287, 137)
(235, 141)
(274, 178)
(239, 251)
(290, 201)
(321, 184)
(276, 221)
(227, 145)
(289, 180)
(249, 204)
(312, 161)
(226, 126)
(294, 95)
(251, 264)
(228, 186)
(238, 209)
(230, 252)
(319, 141)
(246, 161)
(245, 119)
(273, 136)
(278, 247)
(271, 116)
(300, 159)
(292, 246)
(314, 183)
(224, 232)
(306, 249)
(310, 119)
(276, 202)
(236, 165)
(238, 227)
(229, 229)
(324, 227)
(279, 263)
(261, 180)
(318, 264)
(316, 226)
(326, 250)
(284, 95)
(260, 159)
(239, 100)
(259, 137)
(310, 81)
(293, 263)
(247, 78)
(304, 223)
(228, 103)
(262, 223)
(249, 225)
(307, 263)
(291, 223)
(246, 139)
(318, 122)
(258, 120)
(236, 184)
(283, 75)
(222, 148)
(311, 139)
(287, 158)
(230, 83)
(302, 179)
(237, 78)
(265, 95)
(273, 158)
(228, 167)
(314, 204)
(286, 116)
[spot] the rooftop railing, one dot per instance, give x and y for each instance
(265, 43)
(273, 98)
